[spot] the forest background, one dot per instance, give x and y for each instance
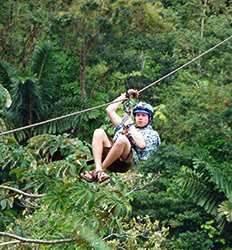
(57, 57)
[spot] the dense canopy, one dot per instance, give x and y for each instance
(58, 57)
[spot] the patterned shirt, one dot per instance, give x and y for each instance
(151, 138)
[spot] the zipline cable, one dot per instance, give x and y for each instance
(106, 104)
(59, 118)
(184, 65)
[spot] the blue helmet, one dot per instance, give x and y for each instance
(143, 107)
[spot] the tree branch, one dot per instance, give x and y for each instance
(28, 204)
(21, 192)
(36, 241)
(9, 243)
(138, 188)
(114, 235)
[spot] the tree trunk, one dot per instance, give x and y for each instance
(29, 45)
(142, 59)
(82, 73)
(203, 19)
(202, 31)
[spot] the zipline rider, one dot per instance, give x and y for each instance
(131, 143)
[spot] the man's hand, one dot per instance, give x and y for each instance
(132, 93)
(127, 120)
(134, 136)
(111, 109)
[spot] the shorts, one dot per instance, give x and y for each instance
(120, 166)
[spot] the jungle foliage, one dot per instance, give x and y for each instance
(58, 57)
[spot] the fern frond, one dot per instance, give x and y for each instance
(212, 174)
(194, 185)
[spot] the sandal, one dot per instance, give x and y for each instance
(90, 176)
(101, 176)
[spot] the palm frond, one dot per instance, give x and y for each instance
(27, 104)
(70, 124)
(44, 67)
(223, 182)
(40, 57)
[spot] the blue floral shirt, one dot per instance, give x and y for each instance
(151, 138)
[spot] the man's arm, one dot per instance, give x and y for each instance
(112, 108)
(137, 137)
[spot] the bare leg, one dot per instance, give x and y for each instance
(120, 149)
(99, 141)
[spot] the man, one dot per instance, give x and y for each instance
(131, 143)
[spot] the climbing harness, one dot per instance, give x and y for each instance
(106, 104)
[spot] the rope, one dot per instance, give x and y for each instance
(59, 118)
(106, 104)
(184, 65)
